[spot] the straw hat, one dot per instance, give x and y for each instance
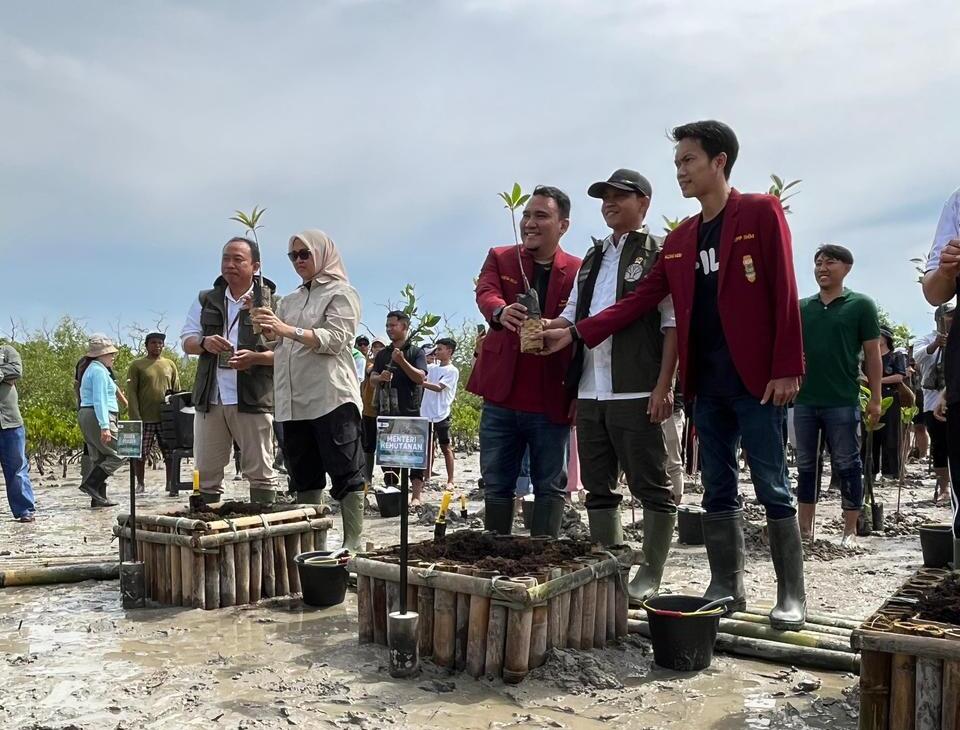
(100, 345)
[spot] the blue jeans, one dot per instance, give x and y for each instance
(841, 429)
(13, 460)
(721, 425)
(505, 435)
(523, 481)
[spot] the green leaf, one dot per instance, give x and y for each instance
(791, 184)
(517, 192)
(777, 180)
(523, 199)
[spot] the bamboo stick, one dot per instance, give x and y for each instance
(364, 609)
(564, 615)
(177, 523)
(575, 625)
(874, 691)
(256, 570)
(612, 608)
(763, 631)
(444, 627)
(516, 655)
(843, 622)
(929, 693)
(292, 545)
(163, 571)
(269, 589)
(145, 559)
(554, 610)
(176, 577)
(306, 541)
(478, 621)
(539, 628)
(186, 577)
(496, 640)
(903, 689)
(589, 610)
(211, 567)
(270, 518)
(280, 566)
(462, 624)
(904, 644)
(600, 617)
(425, 621)
(242, 570)
(228, 577)
(595, 568)
(950, 715)
(59, 574)
(199, 580)
(379, 612)
(807, 627)
(772, 651)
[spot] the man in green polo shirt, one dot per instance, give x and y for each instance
(149, 379)
(837, 325)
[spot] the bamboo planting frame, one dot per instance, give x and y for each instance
(198, 564)
(485, 624)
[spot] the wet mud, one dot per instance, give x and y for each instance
(71, 657)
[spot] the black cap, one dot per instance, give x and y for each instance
(155, 336)
(888, 336)
(622, 179)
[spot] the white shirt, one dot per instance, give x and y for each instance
(436, 406)
(947, 228)
(926, 362)
(596, 383)
(226, 377)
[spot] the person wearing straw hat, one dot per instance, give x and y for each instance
(98, 419)
(317, 394)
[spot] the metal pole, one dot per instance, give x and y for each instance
(133, 513)
(404, 485)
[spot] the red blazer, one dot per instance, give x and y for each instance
(758, 305)
(502, 375)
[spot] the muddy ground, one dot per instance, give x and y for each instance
(71, 657)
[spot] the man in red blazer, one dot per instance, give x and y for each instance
(730, 272)
(524, 402)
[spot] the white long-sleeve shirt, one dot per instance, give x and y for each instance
(948, 228)
(596, 383)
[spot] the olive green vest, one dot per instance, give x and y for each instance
(638, 348)
(254, 386)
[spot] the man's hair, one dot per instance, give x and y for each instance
(447, 342)
(836, 252)
(361, 340)
(715, 137)
(561, 198)
(252, 245)
(402, 316)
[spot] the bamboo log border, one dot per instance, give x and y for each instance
(501, 627)
(197, 564)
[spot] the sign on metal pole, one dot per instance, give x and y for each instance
(403, 442)
(130, 439)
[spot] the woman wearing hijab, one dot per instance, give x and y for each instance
(98, 419)
(317, 394)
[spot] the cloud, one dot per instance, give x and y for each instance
(129, 137)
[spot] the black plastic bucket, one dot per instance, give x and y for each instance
(683, 643)
(936, 541)
(388, 503)
(322, 585)
(690, 524)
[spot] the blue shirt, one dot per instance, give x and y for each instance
(98, 390)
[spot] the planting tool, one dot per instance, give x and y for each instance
(196, 501)
(440, 526)
(463, 506)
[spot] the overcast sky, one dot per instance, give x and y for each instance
(131, 131)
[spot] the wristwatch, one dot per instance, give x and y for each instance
(497, 312)
(298, 334)
(575, 334)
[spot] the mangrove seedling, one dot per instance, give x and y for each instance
(531, 332)
(251, 224)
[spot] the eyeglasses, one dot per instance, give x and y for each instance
(301, 253)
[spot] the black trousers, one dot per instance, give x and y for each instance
(886, 443)
(615, 436)
(937, 430)
(953, 453)
(329, 445)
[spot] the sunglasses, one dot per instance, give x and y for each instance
(303, 254)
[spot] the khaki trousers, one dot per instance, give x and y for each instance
(213, 435)
(673, 436)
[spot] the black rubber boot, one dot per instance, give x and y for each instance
(606, 527)
(102, 491)
(91, 487)
(498, 515)
(723, 537)
(786, 549)
(547, 516)
(657, 537)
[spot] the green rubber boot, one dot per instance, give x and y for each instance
(547, 516)
(606, 527)
(657, 536)
(351, 513)
(262, 496)
(310, 496)
(498, 515)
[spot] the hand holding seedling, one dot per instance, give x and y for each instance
(950, 259)
(556, 340)
(513, 316)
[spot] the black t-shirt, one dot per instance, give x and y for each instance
(893, 364)
(541, 282)
(951, 360)
(713, 367)
(409, 393)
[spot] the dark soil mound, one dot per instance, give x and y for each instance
(943, 602)
(512, 556)
(231, 510)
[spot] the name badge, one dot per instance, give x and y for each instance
(748, 269)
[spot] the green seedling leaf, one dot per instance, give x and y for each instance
(523, 199)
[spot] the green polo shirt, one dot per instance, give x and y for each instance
(833, 337)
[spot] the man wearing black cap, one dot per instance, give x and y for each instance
(887, 445)
(149, 379)
(624, 385)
